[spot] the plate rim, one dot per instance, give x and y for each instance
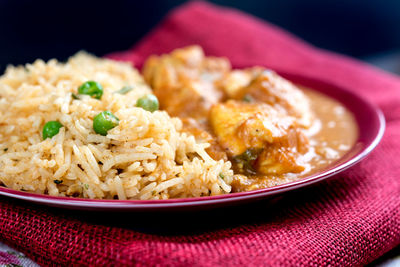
(110, 204)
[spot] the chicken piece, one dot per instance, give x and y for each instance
(258, 138)
(260, 85)
(185, 81)
(240, 126)
(234, 82)
(201, 133)
(284, 156)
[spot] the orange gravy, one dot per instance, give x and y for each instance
(333, 134)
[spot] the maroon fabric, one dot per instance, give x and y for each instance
(347, 221)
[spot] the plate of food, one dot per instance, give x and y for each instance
(187, 132)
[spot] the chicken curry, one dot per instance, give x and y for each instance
(271, 130)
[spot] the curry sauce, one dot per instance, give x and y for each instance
(333, 134)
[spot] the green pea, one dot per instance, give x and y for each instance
(50, 129)
(148, 102)
(104, 121)
(92, 88)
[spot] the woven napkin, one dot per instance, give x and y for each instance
(348, 220)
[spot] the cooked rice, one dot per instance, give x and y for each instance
(145, 157)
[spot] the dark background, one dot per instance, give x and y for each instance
(365, 29)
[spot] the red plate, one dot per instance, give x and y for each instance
(371, 124)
